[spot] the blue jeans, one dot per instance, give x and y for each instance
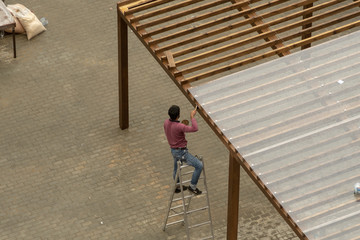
(184, 156)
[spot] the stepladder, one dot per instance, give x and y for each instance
(188, 209)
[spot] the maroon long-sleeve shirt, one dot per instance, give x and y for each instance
(175, 132)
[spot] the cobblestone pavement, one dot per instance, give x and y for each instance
(67, 170)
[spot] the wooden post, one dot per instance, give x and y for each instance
(309, 25)
(233, 198)
(123, 72)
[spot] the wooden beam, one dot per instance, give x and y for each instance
(259, 47)
(250, 30)
(126, 2)
(254, 38)
(170, 59)
(265, 29)
(214, 22)
(166, 9)
(194, 19)
(233, 198)
(123, 72)
(143, 5)
(229, 27)
(307, 26)
(271, 53)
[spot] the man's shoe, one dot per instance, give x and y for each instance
(178, 190)
(196, 191)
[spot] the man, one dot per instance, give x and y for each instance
(175, 134)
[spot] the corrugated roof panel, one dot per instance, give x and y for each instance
(296, 121)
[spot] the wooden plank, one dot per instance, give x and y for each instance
(235, 55)
(163, 10)
(170, 59)
(192, 20)
(233, 26)
(126, 2)
(254, 38)
(157, 57)
(147, 5)
(125, 7)
(272, 53)
(178, 15)
(123, 72)
(233, 198)
(265, 35)
(214, 22)
(307, 26)
(265, 29)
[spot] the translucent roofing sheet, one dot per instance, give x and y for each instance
(296, 121)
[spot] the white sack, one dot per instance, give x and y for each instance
(28, 20)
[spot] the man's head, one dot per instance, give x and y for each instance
(174, 112)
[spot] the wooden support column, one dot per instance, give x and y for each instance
(233, 198)
(309, 25)
(123, 72)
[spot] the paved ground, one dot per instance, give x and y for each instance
(67, 170)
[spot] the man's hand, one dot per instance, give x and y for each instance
(185, 122)
(193, 113)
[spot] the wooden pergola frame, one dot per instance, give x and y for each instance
(151, 21)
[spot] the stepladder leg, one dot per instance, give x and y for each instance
(171, 199)
(183, 209)
(183, 199)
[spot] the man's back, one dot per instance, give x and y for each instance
(175, 132)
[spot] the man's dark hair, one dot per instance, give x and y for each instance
(174, 112)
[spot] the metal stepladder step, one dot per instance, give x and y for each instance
(182, 211)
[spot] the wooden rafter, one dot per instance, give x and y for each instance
(267, 54)
(254, 29)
